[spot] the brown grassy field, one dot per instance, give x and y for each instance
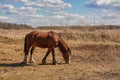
(95, 56)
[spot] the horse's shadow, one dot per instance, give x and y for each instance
(20, 64)
(51, 64)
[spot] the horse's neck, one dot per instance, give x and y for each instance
(63, 44)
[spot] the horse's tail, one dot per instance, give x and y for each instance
(25, 46)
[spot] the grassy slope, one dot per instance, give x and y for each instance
(95, 57)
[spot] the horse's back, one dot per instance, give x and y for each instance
(35, 34)
(42, 39)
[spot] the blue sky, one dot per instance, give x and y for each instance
(60, 12)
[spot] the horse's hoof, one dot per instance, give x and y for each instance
(43, 63)
(31, 62)
(55, 63)
(24, 63)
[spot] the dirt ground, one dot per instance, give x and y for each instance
(91, 60)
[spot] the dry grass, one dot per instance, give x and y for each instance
(96, 56)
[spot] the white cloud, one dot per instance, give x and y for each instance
(60, 13)
(58, 16)
(109, 10)
(10, 1)
(20, 0)
(64, 18)
(108, 4)
(36, 16)
(53, 1)
(63, 14)
(7, 19)
(49, 4)
(12, 11)
(3, 17)
(33, 12)
(7, 7)
(110, 14)
(24, 11)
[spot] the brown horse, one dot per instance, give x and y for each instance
(48, 40)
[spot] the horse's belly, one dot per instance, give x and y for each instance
(43, 45)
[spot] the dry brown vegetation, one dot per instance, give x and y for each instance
(95, 56)
(14, 26)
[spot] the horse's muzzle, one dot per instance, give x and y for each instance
(67, 61)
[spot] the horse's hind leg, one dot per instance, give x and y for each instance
(44, 59)
(31, 57)
(26, 50)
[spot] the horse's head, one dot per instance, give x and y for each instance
(67, 56)
(59, 42)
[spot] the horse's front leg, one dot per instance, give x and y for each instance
(46, 55)
(53, 54)
(31, 56)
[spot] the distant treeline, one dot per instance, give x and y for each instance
(24, 26)
(14, 26)
(79, 27)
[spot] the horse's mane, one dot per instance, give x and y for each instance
(62, 45)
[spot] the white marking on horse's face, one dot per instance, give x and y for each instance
(69, 60)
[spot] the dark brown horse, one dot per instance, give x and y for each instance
(48, 40)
